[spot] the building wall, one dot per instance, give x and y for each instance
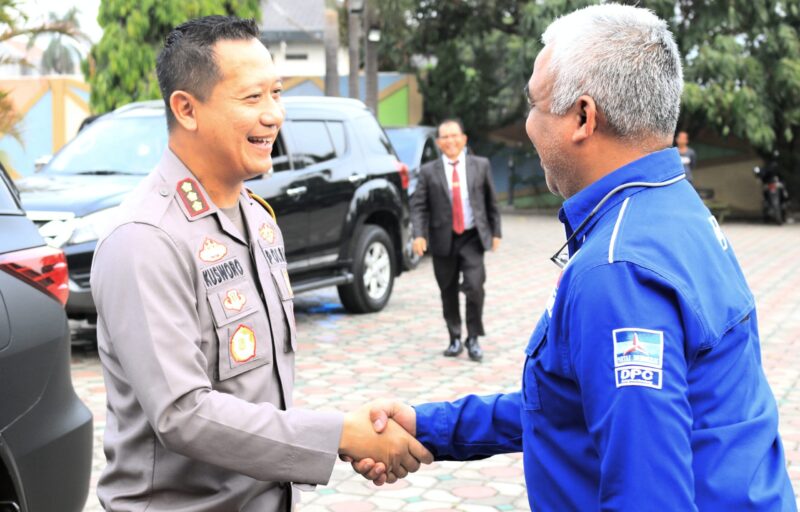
(399, 99)
(52, 108)
(313, 65)
(734, 185)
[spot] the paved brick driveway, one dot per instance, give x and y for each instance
(345, 361)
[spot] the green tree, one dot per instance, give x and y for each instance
(472, 56)
(741, 62)
(742, 71)
(121, 67)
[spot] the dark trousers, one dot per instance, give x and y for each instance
(465, 258)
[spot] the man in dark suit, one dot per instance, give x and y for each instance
(455, 211)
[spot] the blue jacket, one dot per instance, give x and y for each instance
(643, 387)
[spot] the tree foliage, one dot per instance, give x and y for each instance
(122, 65)
(741, 57)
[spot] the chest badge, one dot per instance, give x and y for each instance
(234, 300)
(191, 197)
(267, 233)
(212, 251)
(243, 344)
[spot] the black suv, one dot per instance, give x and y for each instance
(337, 187)
(45, 430)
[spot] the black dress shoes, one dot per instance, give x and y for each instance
(455, 348)
(473, 349)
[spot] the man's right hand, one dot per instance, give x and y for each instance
(419, 246)
(380, 414)
(383, 448)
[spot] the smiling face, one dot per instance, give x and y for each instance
(548, 132)
(451, 140)
(239, 121)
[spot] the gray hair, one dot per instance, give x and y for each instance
(626, 59)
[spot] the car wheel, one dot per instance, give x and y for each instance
(373, 272)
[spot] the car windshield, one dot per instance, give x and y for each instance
(115, 145)
(406, 144)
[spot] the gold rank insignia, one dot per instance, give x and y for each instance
(243, 344)
(267, 233)
(192, 198)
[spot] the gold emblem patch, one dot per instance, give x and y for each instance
(212, 251)
(234, 300)
(243, 344)
(267, 233)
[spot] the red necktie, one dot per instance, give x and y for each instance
(458, 210)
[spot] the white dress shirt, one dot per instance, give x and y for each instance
(469, 219)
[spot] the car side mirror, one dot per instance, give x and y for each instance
(40, 162)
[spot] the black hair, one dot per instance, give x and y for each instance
(187, 61)
(449, 120)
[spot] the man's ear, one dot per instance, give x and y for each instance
(183, 107)
(586, 119)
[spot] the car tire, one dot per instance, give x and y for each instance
(373, 272)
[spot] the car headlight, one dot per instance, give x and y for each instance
(91, 226)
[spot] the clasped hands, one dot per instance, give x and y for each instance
(378, 439)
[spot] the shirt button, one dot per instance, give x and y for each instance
(164, 192)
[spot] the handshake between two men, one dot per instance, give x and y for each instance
(378, 439)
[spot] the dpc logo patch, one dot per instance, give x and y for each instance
(638, 357)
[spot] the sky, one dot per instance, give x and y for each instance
(87, 15)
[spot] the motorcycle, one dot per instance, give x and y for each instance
(774, 193)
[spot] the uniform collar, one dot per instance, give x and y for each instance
(192, 197)
(656, 167)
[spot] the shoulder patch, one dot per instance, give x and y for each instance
(638, 357)
(192, 197)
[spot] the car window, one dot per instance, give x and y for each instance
(338, 137)
(309, 141)
(371, 134)
(280, 160)
(405, 143)
(114, 145)
(8, 198)
(429, 151)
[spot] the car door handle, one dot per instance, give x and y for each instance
(296, 191)
(355, 178)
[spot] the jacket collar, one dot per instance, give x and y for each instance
(656, 167)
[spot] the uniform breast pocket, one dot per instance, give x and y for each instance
(244, 339)
(280, 276)
(530, 384)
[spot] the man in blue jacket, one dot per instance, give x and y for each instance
(642, 386)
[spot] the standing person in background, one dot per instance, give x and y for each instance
(688, 156)
(454, 210)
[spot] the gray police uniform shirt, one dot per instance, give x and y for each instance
(196, 335)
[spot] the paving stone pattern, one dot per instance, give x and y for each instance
(347, 360)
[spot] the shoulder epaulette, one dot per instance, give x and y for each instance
(260, 200)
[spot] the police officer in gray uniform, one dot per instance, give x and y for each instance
(196, 328)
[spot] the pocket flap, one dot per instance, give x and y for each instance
(232, 302)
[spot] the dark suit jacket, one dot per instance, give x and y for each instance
(432, 209)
